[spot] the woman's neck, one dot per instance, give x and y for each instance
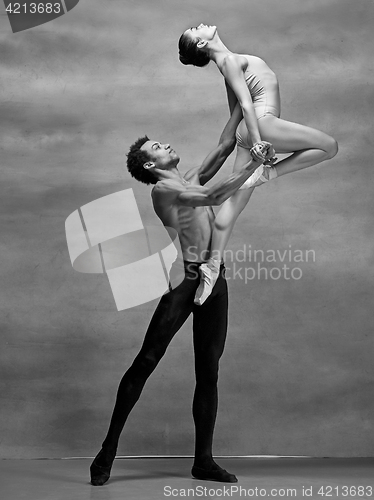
(218, 50)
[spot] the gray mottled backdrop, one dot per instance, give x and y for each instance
(297, 374)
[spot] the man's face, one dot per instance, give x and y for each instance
(162, 155)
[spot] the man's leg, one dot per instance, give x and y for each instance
(210, 328)
(171, 312)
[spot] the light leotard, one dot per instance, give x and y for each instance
(263, 86)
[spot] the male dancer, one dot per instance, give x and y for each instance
(183, 203)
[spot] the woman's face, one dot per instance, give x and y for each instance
(202, 32)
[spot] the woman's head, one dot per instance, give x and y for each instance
(194, 45)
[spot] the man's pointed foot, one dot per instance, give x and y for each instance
(101, 473)
(214, 474)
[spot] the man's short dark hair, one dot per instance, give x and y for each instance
(135, 161)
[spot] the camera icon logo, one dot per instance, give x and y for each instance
(108, 236)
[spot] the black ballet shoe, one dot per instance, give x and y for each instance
(99, 473)
(213, 475)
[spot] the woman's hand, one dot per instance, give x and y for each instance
(270, 156)
(262, 151)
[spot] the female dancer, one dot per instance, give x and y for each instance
(251, 83)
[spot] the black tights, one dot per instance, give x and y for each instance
(209, 335)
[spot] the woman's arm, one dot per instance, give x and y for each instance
(233, 72)
(231, 98)
(216, 158)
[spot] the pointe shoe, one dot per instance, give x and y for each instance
(219, 474)
(99, 473)
(268, 173)
(208, 278)
(253, 180)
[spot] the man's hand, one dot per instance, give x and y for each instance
(270, 158)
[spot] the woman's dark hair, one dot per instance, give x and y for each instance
(189, 53)
(135, 161)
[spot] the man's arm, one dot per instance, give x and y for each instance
(216, 158)
(172, 192)
(195, 195)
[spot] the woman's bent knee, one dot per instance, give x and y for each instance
(331, 147)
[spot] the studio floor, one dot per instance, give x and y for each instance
(160, 478)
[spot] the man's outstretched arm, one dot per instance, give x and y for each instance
(171, 191)
(216, 158)
(195, 195)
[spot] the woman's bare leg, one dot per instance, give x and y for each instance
(308, 145)
(222, 230)
(311, 147)
(230, 210)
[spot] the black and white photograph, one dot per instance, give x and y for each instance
(187, 203)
